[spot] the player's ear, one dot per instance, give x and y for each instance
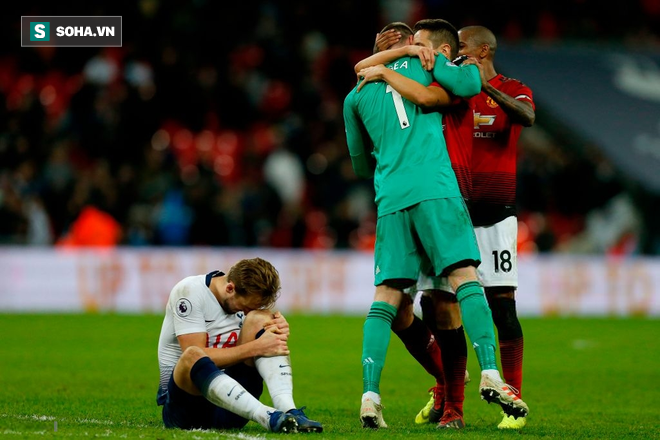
(230, 287)
(445, 49)
(411, 40)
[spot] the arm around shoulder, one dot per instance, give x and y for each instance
(424, 96)
(463, 80)
(470, 85)
(519, 111)
(383, 57)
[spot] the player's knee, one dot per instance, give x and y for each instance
(462, 275)
(258, 317)
(449, 319)
(403, 318)
(254, 322)
(190, 356)
(388, 294)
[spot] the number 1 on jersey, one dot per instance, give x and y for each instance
(398, 106)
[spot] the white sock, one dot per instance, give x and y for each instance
(276, 372)
(371, 395)
(493, 374)
(226, 393)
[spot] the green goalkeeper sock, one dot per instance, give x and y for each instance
(478, 323)
(377, 330)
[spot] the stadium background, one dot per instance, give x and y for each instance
(220, 126)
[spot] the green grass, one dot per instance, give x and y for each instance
(96, 376)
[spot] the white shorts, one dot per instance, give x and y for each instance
(498, 245)
(427, 282)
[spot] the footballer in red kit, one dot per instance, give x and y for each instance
(502, 109)
(494, 153)
(457, 126)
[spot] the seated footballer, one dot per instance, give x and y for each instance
(219, 343)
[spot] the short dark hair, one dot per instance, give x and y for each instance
(400, 26)
(441, 32)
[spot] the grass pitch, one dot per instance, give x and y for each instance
(79, 376)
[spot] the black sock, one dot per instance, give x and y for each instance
(505, 318)
(203, 372)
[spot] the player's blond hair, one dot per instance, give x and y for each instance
(256, 276)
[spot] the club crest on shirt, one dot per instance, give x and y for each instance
(183, 307)
(491, 103)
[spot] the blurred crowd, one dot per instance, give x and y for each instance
(221, 125)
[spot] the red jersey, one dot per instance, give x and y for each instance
(494, 154)
(457, 127)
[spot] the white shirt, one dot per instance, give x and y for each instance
(192, 308)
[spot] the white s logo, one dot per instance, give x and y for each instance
(40, 31)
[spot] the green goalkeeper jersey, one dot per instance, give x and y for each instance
(409, 149)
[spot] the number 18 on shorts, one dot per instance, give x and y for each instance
(497, 245)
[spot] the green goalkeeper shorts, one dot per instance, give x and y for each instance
(428, 237)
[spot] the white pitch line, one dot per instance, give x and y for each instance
(243, 436)
(76, 420)
(239, 436)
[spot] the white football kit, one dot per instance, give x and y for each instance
(192, 308)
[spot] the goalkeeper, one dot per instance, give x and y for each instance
(422, 219)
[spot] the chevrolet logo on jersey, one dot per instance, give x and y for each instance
(483, 120)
